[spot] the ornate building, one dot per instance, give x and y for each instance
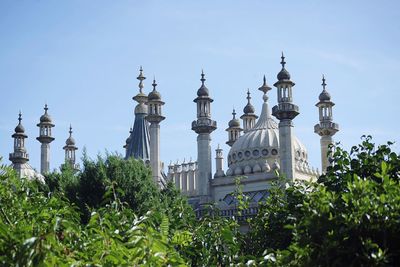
(259, 151)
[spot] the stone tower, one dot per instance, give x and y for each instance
(326, 128)
(45, 138)
(19, 157)
(219, 163)
(233, 129)
(248, 117)
(203, 126)
(70, 149)
(154, 117)
(285, 112)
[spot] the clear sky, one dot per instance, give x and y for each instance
(82, 58)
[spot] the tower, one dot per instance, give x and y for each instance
(70, 149)
(233, 130)
(219, 163)
(203, 126)
(326, 128)
(19, 157)
(45, 138)
(249, 118)
(154, 117)
(285, 112)
(139, 138)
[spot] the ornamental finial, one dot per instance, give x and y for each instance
(283, 61)
(141, 77)
(323, 82)
(154, 84)
(202, 77)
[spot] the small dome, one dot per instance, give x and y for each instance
(324, 96)
(70, 141)
(203, 91)
(234, 123)
(19, 128)
(283, 75)
(249, 108)
(154, 95)
(140, 108)
(45, 118)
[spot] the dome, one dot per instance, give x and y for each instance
(283, 75)
(261, 144)
(45, 118)
(249, 108)
(203, 91)
(324, 96)
(154, 95)
(19, 128)
(234, 123)
(70, 141)
(140, 108)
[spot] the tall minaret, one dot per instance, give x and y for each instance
(19, 157)
(249, 117)
(70, 149)
(45, 139)
(326, 128)
(203, 126)
(219, 163)
(233, 130)
(285, 112)
(154, 116)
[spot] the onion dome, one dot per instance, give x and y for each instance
(283, 74)
(20, 128)
(70, 141)
(324, 95)
(249, 108)
(203, 91)
(234, 122)
(154, 95)
(45, 117)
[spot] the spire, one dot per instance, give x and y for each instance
(283, 61)
(265, 88)
(141, 78)
(154, 84)
(323, 82)
(249, 108)
(202, 77)
(283, 75)
(203, 91)
(324, 96)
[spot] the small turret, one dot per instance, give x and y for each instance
(233, 130)
(45, 138)
(219, 163)
(326, 128)
(249, 117)
(19, 156)
(70, 149)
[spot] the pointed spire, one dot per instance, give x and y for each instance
(141, 77)
(323, 82)
(19, 117)
(154, 84)
(283, 61)
(264, 88)
(45, 108)
(324, 96)
(248, 95)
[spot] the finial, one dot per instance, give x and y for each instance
(45, 108)
(202, 77)
(70, 130)
(265, 80)
(218, 148)
(248, 95)
(283, 60)
(20, 117)
(141, 78)
(154, 84)
(323, 82)
(264, 88)
(234, 114)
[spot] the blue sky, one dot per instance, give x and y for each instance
(82, 58)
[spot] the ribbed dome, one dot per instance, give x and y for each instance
(259, 146)
(45, 118)
(324, 96)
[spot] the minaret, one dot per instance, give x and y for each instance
(139, 141)
(19, 157)
(233, 130)
(154, 116)
(285, 112)
(45, 139)
(249, 117)
(70, 149)
(326, 128)
(203, 126)
(219, 163)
